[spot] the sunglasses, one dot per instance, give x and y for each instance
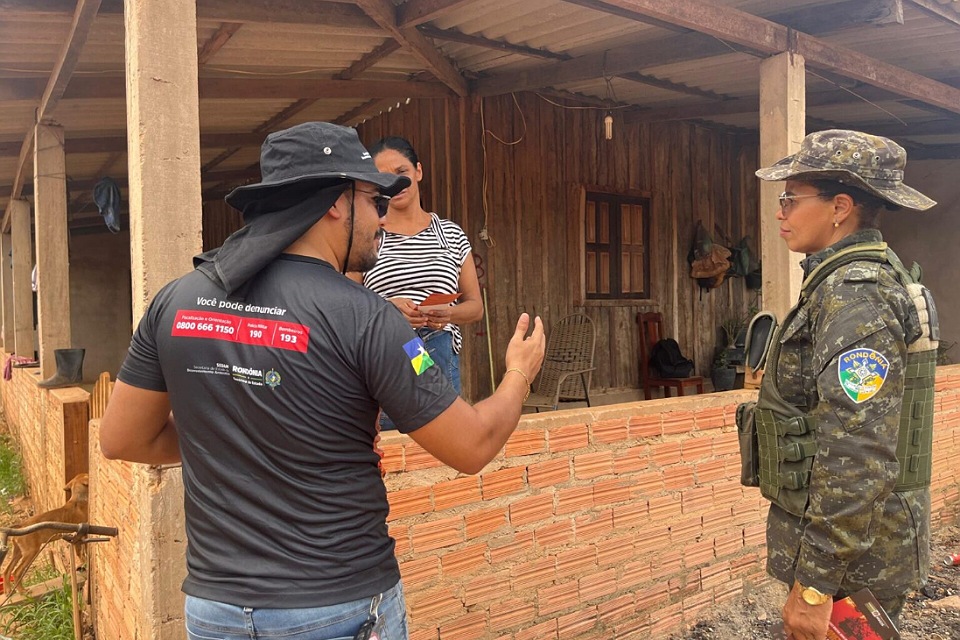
(381, 201)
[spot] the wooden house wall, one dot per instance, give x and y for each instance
(538, 158)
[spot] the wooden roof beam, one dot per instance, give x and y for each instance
(452, 35)
(384, 13)
(769, 37)
(364, 111)
(387, 47)
(340, 15)
(239, 88)
(83, 18)
(937, 10)
(415, 12)
(217, 41)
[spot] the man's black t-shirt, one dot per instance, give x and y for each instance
(275, 400)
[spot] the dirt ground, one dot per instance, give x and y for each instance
(928, 614)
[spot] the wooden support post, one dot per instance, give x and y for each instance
(782, 113)
(20, 237)
(163, 140)
(6, 283)
(53, 260)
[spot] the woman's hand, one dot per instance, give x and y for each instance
(438, 318)
(411, 311)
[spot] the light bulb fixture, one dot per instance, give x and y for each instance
(608, 126)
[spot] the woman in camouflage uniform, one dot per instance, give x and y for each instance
(839, 519)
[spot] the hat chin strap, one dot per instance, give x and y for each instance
(353, 199)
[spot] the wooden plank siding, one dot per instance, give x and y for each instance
(535, 191)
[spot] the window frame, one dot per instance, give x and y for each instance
(615, 198)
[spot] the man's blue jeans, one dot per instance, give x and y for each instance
(440, 347)
(209, 620)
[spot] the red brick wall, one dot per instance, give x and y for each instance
(623, 521)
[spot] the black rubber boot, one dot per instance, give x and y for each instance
(69, 369)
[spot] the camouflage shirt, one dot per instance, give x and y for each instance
(855, 531)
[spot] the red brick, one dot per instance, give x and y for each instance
(613, 551)
(609, 492)
(727, 543)
(638, 628)
(696, 499)
(531, 509)
(401, 534)
(665, 453)
(634, 573)
(713, 575)
(593, 526)
(455, 493)
(698, 553)
(609, 431)
(415, 457)
(726, 444)
(557, 598)
(486, 588)
(696, 448)
(427, 633)
(534, 573)
(710, 471)
(653, 538)
(466, 560)
(710, 418)
(647, 484)
(647, 426)
(408, 502)
(587, 466)
(574, 499)
(469, 626)
(630, 516)
(507, 614)
(616, 609)
(543, 631)
(665, 507)
(392, 460)
(567, 438)
(665, 621)
(754, 534)
(555, 534)
(677, 422)
(685, 530)
(598, 585)
(420, 572)
(429, 536)
(696, 606)
(503, 550)
(526, 442)
(485, 521)
(725, 493)
(652, 598)
(677, 477)
(548, 473)
(668, 562)
(433, 604)
(576, 562)
(574, 625)
(503, 482)
(631, 460)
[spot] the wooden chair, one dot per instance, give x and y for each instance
(651, 330)
(567, 364)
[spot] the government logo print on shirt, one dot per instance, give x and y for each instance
(419, 358)
(862, 372)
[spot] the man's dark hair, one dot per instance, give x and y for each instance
(398, 144)
(870, 205)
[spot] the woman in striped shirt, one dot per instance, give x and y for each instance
(420, 254)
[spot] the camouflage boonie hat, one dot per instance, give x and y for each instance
(872, 163)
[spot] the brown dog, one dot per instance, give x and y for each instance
(25, 548)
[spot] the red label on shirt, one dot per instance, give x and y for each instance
(255, 331)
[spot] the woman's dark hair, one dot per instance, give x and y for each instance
(870, 205)
(398, 144)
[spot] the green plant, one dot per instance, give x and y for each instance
(720, 359)
(942, 349)
(12, 482)
(49, 617)
(732, 325)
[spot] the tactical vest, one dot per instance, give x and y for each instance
(787, 437)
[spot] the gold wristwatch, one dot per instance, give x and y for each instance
(812, 596)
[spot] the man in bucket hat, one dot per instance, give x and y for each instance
(844, 414)
(275, 366)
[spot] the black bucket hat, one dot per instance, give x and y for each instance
(872, 163)
(318, 152)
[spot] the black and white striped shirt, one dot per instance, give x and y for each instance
(415, 266)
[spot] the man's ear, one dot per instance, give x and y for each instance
(340, 208)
